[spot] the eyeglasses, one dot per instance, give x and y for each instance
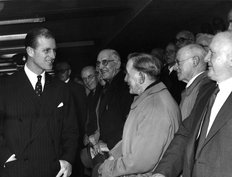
(181, 39)
(178, 62)
(103, 62)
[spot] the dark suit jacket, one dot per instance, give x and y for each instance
(113, 110)
(80, 103)
(38, 130)
(180, 151)
(214, 158)
(92, 100)
(171, 81)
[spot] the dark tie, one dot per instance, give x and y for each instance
(38, 86)
(205, 123)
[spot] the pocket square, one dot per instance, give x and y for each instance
(60, 105)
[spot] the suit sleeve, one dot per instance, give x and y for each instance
(153, 134)
(69, 132)
(4, 150)
(171, 164)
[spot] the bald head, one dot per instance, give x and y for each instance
(219, 57)
(192, 50)
(111, 53)
(223, 41)
(190, 61)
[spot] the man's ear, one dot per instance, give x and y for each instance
(141, 77)
(118, 64)
(30, 51)
(229, 60)
(69, 72)
(196, 60)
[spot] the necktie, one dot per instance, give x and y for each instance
(205, 123)
(38, 86)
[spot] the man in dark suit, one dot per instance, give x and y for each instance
(39, 133)
(115, 100)
(63, 72)
(113, 105)
(169, 75)
(192, 151)
(190, 67)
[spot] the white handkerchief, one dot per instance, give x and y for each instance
(60, 105)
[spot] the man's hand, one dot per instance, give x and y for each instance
(93, 139)
(157, 175)
(86, 140)
(65, 169)
(100, 170)
(101, 147)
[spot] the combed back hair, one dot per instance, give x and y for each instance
(146, 63)
(34, 34)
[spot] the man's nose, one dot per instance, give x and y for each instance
(53, 54)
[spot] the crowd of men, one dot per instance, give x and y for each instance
(167, 115)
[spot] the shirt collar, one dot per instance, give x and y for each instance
(191, 80)
(225, 86)
(33, 77)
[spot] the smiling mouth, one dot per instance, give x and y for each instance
(50, 61)
(103, 72)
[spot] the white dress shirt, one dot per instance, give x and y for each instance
(33, 77)
(225, 88)
(193, 79)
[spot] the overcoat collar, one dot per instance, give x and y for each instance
(152, 90)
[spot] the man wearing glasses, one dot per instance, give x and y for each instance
(209, 158)
(190, 67)
(169, 76)
(113, 104)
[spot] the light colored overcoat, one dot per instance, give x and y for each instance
(153, 119)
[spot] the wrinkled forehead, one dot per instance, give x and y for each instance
(184, 53)
(221, 43)
(88, 72)
(104, 55)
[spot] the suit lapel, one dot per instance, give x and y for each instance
(41, 122)
(222, 117)
(29, 100)
(197, 115)
(26, 91)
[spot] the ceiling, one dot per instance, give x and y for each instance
(84, 27)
